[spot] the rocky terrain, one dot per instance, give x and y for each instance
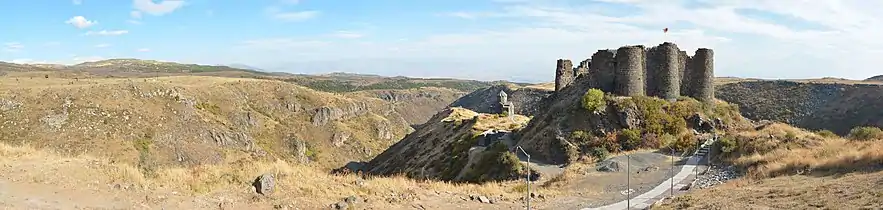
(565, 130)
(808, 104)
(451, 146)
(525, 99)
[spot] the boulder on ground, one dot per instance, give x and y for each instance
(264, 184)
(608, 166)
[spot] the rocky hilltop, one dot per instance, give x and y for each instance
(813, 105)
(526, 100)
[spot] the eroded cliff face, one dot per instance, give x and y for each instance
(831, 106)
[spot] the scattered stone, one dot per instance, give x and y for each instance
(351, 200)
(483, 199)
(264, 184)
(716, 175)
(608, 166)
(340, 205)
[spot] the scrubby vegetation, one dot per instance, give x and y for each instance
(865, 133)
(663, 125)
(593, 101)
(496, 163)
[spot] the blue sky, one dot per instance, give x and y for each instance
(477, 39)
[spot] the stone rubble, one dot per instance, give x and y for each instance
(715, 175)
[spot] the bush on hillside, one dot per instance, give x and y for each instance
(727, 144)
(600, 153)
(686, 143)
(593, 101)
(865, 133)
(826, 134)
(630, 139)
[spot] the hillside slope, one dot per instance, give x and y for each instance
(449, 147)
(833, 106)
(201, 120)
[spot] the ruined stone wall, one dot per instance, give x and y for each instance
(685, 63)
(652, 65)
(582, 68)
(667, 80)
(629, 74)
(601, 70)
(563, 74)
(701, 75)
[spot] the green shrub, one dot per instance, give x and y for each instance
(630, 139)
(685, 143)
(826, 134)
(594, 101)
(727, 144)
(600, 153)
(865, 133)
(667, 140)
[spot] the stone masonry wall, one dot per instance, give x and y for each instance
(563, 74)
(702, 75)
(662, 71)
(668, 81)
(629, 79)
(582, 68)
(683, 65)
(601, 70)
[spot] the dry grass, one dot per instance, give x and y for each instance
(797, 151)
(795, 169)
(304, 185)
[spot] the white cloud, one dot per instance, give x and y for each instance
(107, 33)
(347, 35)
(80, 22)
(77, 2)
(135, 14)
(102, 45)
(143, 50)
(158, 9)
(781, 39)
(295, 16)
(135, 22)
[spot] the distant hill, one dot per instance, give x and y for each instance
(243, 66)
(878, 78)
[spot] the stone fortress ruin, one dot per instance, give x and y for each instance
(662, 71)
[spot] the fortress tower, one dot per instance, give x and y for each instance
(663, 71)
(629, 79)
(701, 75)
(563, 74)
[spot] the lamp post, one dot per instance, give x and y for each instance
(528, 175)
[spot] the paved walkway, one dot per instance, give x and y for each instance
(643, 201)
